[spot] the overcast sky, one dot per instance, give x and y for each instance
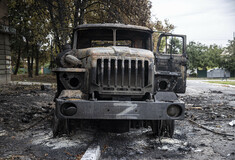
(205, 21)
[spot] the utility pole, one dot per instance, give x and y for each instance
(51, 54)
(233, 43)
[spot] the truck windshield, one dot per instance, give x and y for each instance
(109, 37)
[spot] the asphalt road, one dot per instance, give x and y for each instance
(202, 86)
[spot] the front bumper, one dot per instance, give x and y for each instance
(115, 110)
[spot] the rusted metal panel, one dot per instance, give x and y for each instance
(112, 51)
(74, 61)
(69, 70)
(130, 110)
(114, 26)
(71, 94)
(171, 67)
(118, 75)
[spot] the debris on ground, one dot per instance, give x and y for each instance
(232, 123)
(25, 129)
(45, 87)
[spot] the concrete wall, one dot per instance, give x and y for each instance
(5, 59)
(5, 55)
(3, 12)
(218, 73)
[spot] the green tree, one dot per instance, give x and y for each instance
(175, 45)
(214, 52)
(37, 21)
(228, 60)
(31, 30)
(202, 56)
(65, 15)
(159, 27)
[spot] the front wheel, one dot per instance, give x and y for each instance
(163, 128)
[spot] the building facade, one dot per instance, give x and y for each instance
(5, 51)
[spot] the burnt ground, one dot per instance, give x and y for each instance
(26, 115)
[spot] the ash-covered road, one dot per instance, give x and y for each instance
(25, 131)
(197, 87)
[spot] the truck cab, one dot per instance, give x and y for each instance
(112, 76)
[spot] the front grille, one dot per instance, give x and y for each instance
(122, 74)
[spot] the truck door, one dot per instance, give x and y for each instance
(171, 61)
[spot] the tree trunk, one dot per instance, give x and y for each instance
(28, 59)
(55, 29)
(31, 64)
(75, 23)
(17, 62)
(29, 68)
(82, 10)
(37, 61)
(62, 18)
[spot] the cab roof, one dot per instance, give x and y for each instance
(113, 26)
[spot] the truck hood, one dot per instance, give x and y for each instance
(113, 51)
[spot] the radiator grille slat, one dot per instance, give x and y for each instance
(129, 75)
(143, 70)
(116, 72)
(123, 68)
(123, 74)
(102, 71)
(136, 73)
(109, 71)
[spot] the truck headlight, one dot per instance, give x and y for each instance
(174, 110)
(68, 109)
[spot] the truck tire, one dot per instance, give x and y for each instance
(59, 126)
(163, 128)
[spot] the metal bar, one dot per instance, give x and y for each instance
(102, 71)
(151, 44)
(116, 70)
(114, 37)
(148, 72)
(75, 42)
(145, 110)
(184, 46)
(123, 72)
(136, 72)
(143, 73)
(166, 45)
(109, 70)
(129, 72)
(69, 70)
(171, 47)
(97, 80)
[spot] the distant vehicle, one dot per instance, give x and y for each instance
(111, 76)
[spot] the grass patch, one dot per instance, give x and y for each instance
(223, 82)
(196, 78)
(50, 78)
(204, 78)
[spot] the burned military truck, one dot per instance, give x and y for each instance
(112, 76)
